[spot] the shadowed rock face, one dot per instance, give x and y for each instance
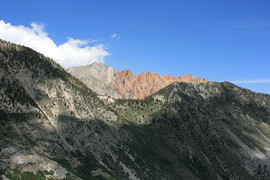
(105, 80)
(53, 126)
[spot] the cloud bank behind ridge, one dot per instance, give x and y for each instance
(73, 52)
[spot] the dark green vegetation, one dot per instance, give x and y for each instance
(53, 127)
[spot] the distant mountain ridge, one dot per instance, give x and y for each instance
(105, 80)
(98, 77)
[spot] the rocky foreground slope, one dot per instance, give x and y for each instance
(105, 80)
(54, 127)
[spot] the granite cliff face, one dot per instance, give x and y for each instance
(140, 86)
(105, 80)
(52, 126)
(98, 77)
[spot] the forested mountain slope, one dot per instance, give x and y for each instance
(52, 126)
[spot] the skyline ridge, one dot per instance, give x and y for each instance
(220, 41)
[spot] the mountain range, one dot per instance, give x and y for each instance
(54, 126)
(106, 81)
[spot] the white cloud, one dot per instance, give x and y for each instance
(115, 36)
(74, 52)
(251, 81)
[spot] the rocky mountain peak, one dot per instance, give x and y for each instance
(125, 84)
(126, 73)
(146, 84)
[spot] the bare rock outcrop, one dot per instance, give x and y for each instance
(140, 86)
(97, 77)
(105, 80)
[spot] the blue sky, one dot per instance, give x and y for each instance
(217, 40)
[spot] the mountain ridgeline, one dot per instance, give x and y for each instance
(106, 81)
(52, 126)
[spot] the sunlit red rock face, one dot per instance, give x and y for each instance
(131, 86)
(105, 80)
